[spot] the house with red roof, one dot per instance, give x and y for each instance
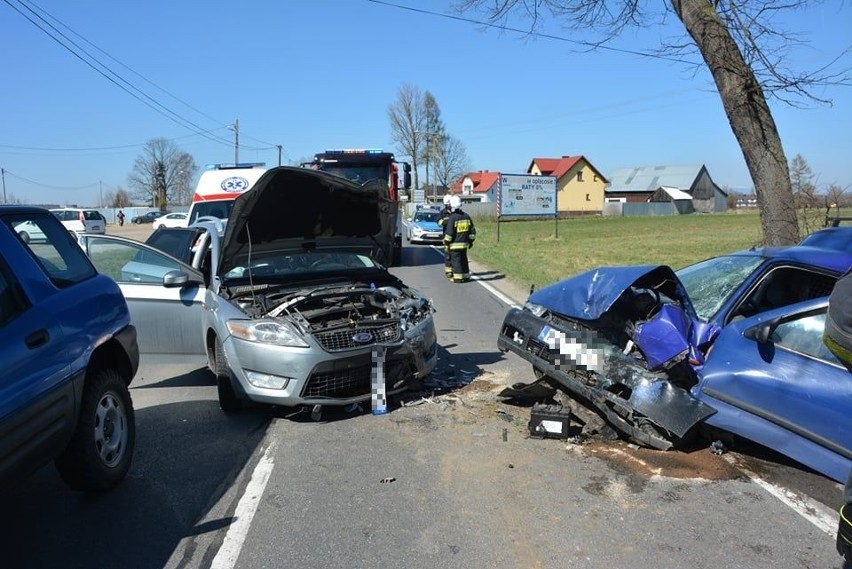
(477, 186)
(579, 185)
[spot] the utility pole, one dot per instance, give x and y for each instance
(236, 128)
(280, 149)
(3, 175)
(100, 193)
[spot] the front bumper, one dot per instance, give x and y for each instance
(320, 377)
(620, 387)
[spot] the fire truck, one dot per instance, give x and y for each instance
(362, 165)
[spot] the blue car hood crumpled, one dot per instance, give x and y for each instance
(589, 295)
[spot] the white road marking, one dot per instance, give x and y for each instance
(502, 297)
(820, 515)
(226, 557)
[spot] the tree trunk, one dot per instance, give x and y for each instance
(750, 118)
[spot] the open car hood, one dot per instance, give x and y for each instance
(298, 209)
(589, 295)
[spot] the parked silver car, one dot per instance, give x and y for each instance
(293, 304)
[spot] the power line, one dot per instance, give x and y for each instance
(34, 183)
(112, 76)
(529, 32)
(141, 97)
(102, 148)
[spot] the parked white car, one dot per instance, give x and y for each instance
(171, 220)
(81, 220)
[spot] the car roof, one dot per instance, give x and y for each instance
(828, 259)
(14, 209)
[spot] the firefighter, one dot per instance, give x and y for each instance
(442, 221)
(459, 235)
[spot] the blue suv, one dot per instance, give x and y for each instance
(68, 352)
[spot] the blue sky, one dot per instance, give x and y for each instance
(315, 74)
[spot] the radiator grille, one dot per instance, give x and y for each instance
(339, 340)
(352, 382)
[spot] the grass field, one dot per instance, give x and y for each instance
(529, 252)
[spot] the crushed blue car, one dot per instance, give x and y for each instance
(733, 342)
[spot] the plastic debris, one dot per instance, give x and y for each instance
(717, 448)
(316, 412)
(387, 480)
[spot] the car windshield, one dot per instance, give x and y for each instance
(358, 174)
(299, 265)
(426, 216)
(710, 283)
(220, 208)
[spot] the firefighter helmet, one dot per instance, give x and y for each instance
(455, 202)
(446, 199)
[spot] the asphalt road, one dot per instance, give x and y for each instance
(446, 479)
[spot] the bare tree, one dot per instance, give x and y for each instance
(451, 160)
(118, 198)
(160, 173)
(435, 131)
(835, 197)
(744, 53)
(408, 122)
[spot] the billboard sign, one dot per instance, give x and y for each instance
(525, 194)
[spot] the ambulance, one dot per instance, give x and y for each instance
(218, 187)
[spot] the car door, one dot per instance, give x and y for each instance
(783, 388)
(167, 315)
(36, 395)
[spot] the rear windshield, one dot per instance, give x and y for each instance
(92, 215)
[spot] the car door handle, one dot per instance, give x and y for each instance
(36, 339)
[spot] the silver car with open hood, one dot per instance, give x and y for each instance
(299, 298)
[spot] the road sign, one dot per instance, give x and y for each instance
(525, 194)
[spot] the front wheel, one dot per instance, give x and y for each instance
(101, 449)
(227, 398)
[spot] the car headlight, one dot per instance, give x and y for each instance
(418, 230)
(267, 332)
(536, 309)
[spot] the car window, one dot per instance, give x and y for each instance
(804, 335)
(710, 283)
(129, 262)
(783, 286)
(12, 301)
(177, 243)
(92, 215)
(54, 249)
(425, 216)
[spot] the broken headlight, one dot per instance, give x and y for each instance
(536, 309)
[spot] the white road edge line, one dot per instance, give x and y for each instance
(226, 557)
(505, 299)
(824, 518)
(820, 515)
(502, 297)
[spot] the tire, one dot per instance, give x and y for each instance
(101, 449)
(25, 237)
(227, 398)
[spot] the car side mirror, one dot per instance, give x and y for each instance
(176, 279)
(761, 333)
